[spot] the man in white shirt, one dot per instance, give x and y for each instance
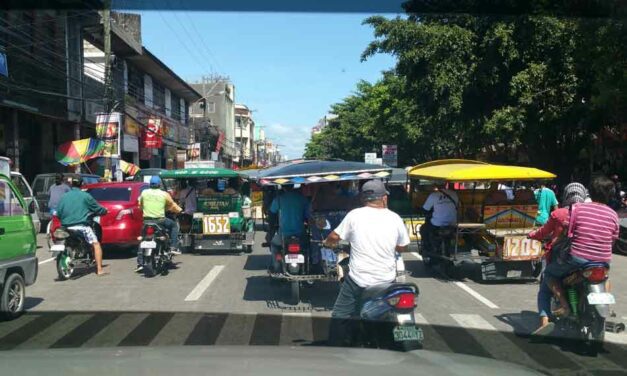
(375, 234)
(443, 202)
(187, 197)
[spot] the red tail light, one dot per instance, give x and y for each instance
(150, 230)
(405, 300)
(293, 248)
(595, 275)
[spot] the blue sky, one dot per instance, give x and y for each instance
(288, 67)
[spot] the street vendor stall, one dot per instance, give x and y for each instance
(496, 211)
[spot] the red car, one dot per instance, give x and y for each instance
(123, 223)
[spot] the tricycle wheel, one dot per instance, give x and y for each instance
(295, 292)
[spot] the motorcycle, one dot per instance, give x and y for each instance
(589, 303)
(386, 319)
(291, 260)
(71, 249)
(154, 249)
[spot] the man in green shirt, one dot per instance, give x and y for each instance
(547, 202)
(74, 210)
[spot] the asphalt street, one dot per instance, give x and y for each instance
(228, 298)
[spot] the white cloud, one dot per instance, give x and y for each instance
(292, 138)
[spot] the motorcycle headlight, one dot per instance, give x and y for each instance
(60, 234)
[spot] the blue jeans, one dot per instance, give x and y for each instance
(346, 307)
(544, 299)
(559, 269)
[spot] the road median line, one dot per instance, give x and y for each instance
(46, 261)
(476, 295)
(200, 288)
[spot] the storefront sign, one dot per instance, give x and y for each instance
(152, 134)
(390, 155)
(131, 127)
(130, 143)
(145, 154)
(370, 158)
(193, 152)
(108, 130)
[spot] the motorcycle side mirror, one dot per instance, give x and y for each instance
(32, 208)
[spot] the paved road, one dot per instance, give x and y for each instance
(228, 299)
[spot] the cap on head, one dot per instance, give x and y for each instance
(574, 193)
(373, 189)
(155, 181)
(77, 181)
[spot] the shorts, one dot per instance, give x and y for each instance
(87, 232)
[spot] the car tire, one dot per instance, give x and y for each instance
(13, 297)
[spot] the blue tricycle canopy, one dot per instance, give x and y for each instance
(317, 171)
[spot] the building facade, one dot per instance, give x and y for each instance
(244, 135)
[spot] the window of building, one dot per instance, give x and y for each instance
(158, 96)
(135, 83)
(176, 107)
(211, 107)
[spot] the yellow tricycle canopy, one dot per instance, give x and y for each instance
(456, 170)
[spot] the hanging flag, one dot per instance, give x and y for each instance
(79, 151)
(128, 168)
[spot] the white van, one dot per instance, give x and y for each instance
(5, 166)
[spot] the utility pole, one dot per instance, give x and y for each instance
(108, 94)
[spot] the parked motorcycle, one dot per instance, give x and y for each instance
(71, 249)
(589, 304)
(386, 319)
(155, 250)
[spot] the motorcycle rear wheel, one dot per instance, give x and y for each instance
(295, 292)
(149, 266)
(596, 333)
(65, 269)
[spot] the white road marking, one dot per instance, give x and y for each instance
(492, 340)
(237, 329)
(48, 336)
(46, 261)
(116, 331)
(200, 288)
(176, 331)
(416, 255)
(476, 295)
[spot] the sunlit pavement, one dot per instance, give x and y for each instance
(229, 299)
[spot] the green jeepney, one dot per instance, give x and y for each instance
(222, 219)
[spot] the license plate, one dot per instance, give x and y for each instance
(294, 259)
(148, 244)
(407, 333)
(57, 248)
(595, 298)
(216, 224)
(514, 273)
(521, 248)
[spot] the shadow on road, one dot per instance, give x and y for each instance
(317, 297)
(257, 262)
(32, 302)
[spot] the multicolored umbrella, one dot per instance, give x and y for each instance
(79, 151)
(128, 168)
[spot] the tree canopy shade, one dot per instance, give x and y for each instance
(511, 87)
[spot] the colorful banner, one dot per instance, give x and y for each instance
(509, 216)
(152, 134)
(128, 168)
(220, 141)
(193, 152)
(108, 130)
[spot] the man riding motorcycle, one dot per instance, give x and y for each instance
(154, 203)
(375, 234)
(74, 210)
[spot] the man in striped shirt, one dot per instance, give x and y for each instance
(593, 228)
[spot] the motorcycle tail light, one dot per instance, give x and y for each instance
(293, 248)
(595, 275)
(404, 300)
(150, 230)
(60, 234)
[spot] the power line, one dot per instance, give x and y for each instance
(202, 41)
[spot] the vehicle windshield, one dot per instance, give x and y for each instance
(110, 194)
(420, 181)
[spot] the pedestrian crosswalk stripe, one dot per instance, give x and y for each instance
(145, 332)
(115, 332)
(496, 344)
(207, 329)
(48, 336)
(237, 330)
(82, 333)
(433, 340)
(24, 332)
(176, 331)
(7, 327)
(267, 330)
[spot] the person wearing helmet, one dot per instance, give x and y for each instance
(154, 203)
(375, 234)
(74, 210)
